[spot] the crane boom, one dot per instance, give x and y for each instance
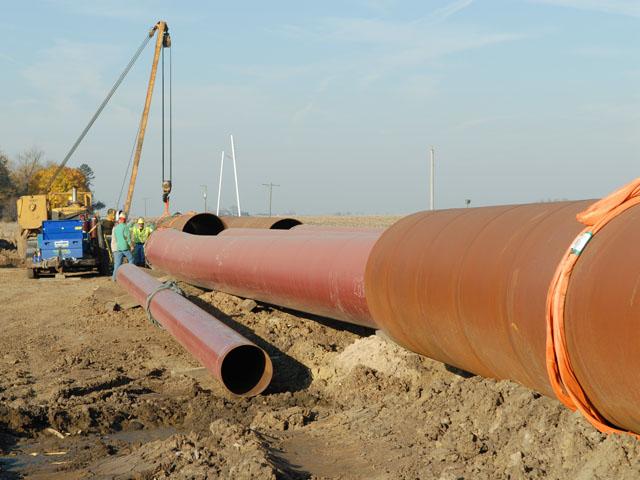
(163, 41)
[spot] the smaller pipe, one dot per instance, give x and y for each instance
(194, 223)
(273, 223)
(241, 366)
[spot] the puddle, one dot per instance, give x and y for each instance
(36, 456)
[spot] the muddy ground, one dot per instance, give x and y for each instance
(87, 391)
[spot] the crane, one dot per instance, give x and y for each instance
(36, 211)
(163, 41)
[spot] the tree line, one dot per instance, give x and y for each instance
(29, 174)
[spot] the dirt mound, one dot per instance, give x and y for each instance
(405, 407)
(8, 250)
(227, 451)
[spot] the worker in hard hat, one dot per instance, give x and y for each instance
(139, 236)
(121, 244)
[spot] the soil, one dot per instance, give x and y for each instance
(89, 388)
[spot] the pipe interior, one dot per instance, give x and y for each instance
(203, 224)
(244, 369)
(285, 224)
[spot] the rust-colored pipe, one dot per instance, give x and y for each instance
(242, 367)
(323, 275)
(273, 223)
(469, 288)
(193, 223)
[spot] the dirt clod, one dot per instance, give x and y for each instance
(248, 305)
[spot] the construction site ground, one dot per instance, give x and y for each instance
(89, 388)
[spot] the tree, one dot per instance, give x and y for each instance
(64, 182)
(27, 165)
(87, 171)
(90, 177)
(7, 188)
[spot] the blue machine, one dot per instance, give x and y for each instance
(67, 246)
(61, 239)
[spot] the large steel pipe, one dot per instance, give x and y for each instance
(469, 288)
(194, 223)
(242, 367)
(323, 275)
(273, 223)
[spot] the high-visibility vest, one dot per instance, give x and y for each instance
(140, 235)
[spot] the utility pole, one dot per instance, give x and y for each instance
(204, 195)
(235, 176)
(235, 173)
(432, 169)
(220, 183)
(146, 201)
(270, 185)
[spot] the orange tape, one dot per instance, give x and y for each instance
(561, 375)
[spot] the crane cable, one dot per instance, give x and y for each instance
(99, 111)
(170, 116)
(167, 182)
(162, 129)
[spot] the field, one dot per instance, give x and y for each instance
(92, 391)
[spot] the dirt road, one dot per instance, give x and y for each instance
(89, 392)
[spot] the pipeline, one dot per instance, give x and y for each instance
(210, 224)
(273, 223)
(242, 367)
(323, 275)
(467, 287)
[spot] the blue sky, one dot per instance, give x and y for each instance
(338, 102)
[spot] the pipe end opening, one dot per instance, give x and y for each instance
(204, 224)
(246, 370)
(285, 224)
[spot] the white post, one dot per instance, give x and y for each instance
(431, 178)
(220, 183)
(235, 174)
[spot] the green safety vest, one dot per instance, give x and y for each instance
(140, 235)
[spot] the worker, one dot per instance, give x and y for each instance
(122, 243)
(139, 235)
(108, 222)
